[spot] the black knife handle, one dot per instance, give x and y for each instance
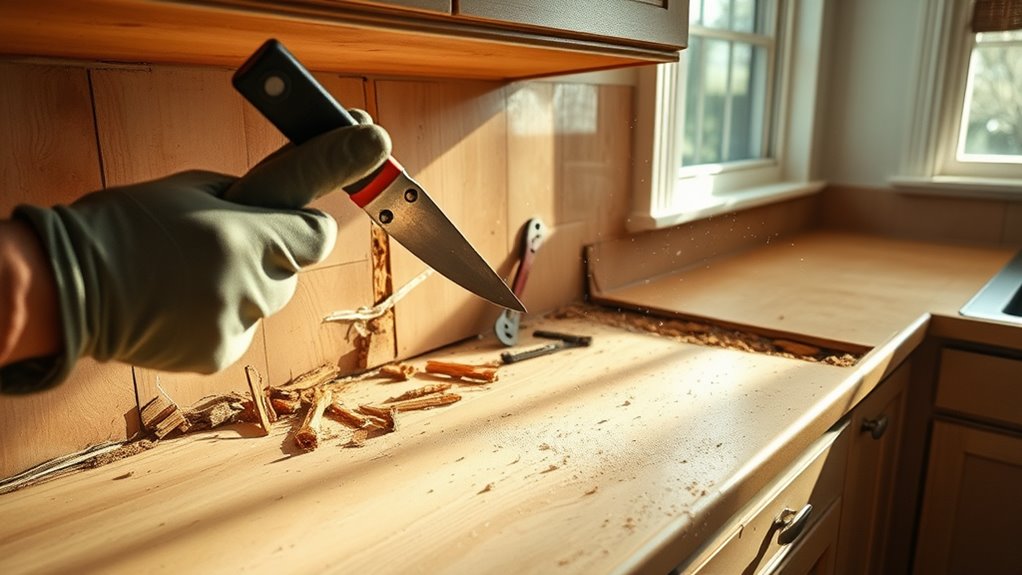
(287, 94)
(280, 87)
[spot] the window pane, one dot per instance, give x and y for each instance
(725, 102)
(744, 16)
(736, 15)
(993, 114)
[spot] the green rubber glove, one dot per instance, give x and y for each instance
(169, 275)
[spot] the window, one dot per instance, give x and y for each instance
(991, 118)
(728, 126)
(727, 81)
(967, 134)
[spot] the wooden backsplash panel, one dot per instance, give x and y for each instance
(532, 178)
(464, 141)
(890, 212)
(594, 150)
(452, 138)
(569, 163)
(49, 156)
(155, 122)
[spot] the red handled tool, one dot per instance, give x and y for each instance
(533, 234)
(287, 95)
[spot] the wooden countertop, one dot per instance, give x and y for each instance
(612, 458)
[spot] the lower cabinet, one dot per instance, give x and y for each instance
(788, 521)
(876, 429)
(830, 511)
(971, 519)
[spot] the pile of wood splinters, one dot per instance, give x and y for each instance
(316, 394)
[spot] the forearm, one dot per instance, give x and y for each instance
(29, 309)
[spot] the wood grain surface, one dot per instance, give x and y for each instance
(829, 286)
(571, 463)
(49, 156)
(155, 122)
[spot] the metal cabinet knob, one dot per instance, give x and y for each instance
(875, 427)
(792, 523)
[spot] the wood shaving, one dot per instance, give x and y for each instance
(462, 371)
(347, 416)
(216, 411)
(285, 406)
(387, 416)
(260, 403)
(420, 392)
(400, 372)
(307, 436)
(425, 402)
(315, 377)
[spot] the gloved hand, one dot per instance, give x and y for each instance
(169, 275)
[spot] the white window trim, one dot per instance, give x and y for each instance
(929, 165)
(787, 175)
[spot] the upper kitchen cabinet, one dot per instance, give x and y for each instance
(440, 6)
(426, 38)
(656, 22)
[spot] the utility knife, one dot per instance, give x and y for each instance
(284, 91)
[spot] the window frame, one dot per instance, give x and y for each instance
(665, 194)
(930, 163)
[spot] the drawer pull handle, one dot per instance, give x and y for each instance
(875, 427)
(792, 523)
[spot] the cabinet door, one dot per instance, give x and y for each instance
(644, 21)
(970, 521)
(876, 428)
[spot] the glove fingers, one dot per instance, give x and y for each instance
(360, 115)
(299, 175)
(306, 237)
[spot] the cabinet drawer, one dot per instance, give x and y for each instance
(750, 542)
(986, 386)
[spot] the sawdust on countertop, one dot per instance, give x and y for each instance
(701, 333)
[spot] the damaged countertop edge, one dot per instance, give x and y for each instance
(661, 553)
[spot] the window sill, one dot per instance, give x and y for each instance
(723, 204)
(960, 186)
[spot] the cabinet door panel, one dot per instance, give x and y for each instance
(970, 519)
(644, 21)
(982, 385)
